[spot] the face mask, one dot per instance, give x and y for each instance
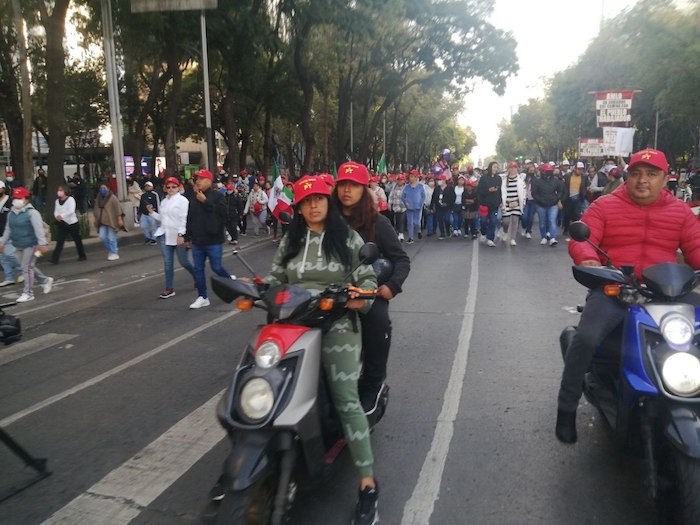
(442, 183)
(103, 191)
(18, 204)
(60, 194)
(431, 184)
(9, 179)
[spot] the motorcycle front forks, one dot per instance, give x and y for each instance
(649, 452)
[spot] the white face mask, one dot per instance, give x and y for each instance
(18, 204)
(442, 183)
(431, 184)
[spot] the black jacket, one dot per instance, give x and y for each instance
(448, 198)
(149, 197)
(470, 206)
(546, 191)
(581, 191)
(4, 210)
(206, 221)
(489, 198)
(388, 243)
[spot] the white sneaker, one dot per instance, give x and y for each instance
(6, 283)
(543, 242)
(553, 242)
(401, 237)
(490, 243)
(199, 302)
(20, 279)
(113, 257)
(24, 298)
(233, 277)
(513, 243)
(528, 236)
(47, 285)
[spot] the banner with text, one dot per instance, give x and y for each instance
(591, 148)
(613, 107)
(618, 141)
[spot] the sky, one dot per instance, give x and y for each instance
(572, 24)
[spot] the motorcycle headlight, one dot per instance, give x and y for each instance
(681, 374)
(677, 331)
(257, 398)
(268, 354)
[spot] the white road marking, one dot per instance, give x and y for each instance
(419, 507)
(117, 369)
(125, 492)
(32, 346)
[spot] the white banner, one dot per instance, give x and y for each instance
(591, 148)
(618, 141)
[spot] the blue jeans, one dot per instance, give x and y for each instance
(529, 215)
(430, 223)
(413, 222)
(200, 252)
(456, 218)
(9, 262)
(183, 255)
(443, 220)
(109, 238)
(547, 216)
(148, 226)
(488, 224)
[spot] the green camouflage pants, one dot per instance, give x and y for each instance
(341, 363)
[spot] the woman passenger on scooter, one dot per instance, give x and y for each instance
(319, 250)
(360, 211)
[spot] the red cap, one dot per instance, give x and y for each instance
(615, 172)
(171, 180)
(20, 193)
(229, 186)
(244, 172)
(471, 183)
(309, 185)
(327, 178)
(442, 177)
(652, 157)
(353, 172)
(512, 165)
(204, 174)
(546, 166)
(414, 172)
(374, 179)
(401, 177)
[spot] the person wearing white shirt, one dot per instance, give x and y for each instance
(171, 218)
(66, 224)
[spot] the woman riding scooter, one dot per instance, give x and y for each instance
(360, 211)
(318, 250)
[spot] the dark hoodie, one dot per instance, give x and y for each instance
(546, 190)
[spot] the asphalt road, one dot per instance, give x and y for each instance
(116, 388)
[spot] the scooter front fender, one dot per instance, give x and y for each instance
(683, 429)
(252, 455)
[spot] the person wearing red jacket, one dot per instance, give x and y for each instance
(639, 224)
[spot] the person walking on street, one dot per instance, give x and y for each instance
(442, 201)
(25, 230)
(546, 191)
(171, 218)
(256, 209)
(234, 213)
(530, 207)
(572, 196)
(39, 189)
(8, 257)
(149, 201)
(206, 224)
(134, 192)
(413, 196)
(489, 192)
(66, 224)
(109, 219)
(513, 192)
(397, 206)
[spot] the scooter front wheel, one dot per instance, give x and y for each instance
(678, 499)
(252, 506)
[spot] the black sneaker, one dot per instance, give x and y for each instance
(420, 235)
(366, 509)
(218, 491)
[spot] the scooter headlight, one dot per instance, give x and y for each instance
(268, 354)
(257, 398)
(677, 331)
(681, 374)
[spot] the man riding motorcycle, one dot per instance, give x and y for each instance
(639, 224)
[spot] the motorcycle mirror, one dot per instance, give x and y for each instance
(579, 231)
(369, 253)
(228, 290)
(284, 217)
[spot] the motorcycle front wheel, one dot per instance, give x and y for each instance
(680, 485)
(252, 506)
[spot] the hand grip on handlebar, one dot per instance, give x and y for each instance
(362, 294)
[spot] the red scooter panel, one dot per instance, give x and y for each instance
(283, 334)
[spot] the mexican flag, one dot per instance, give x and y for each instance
(381, 167)
(281, 197)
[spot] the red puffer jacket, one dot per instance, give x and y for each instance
(637, 235)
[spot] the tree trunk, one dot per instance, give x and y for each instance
(23, 172)
(15, 136)
(267, 143)
(231, 125)
(171, 118)
(307, 87)
(54, 25)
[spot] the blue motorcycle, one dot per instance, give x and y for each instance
(645, 377)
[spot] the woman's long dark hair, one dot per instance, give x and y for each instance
(335, 241)
(363, 216)
(488, 170)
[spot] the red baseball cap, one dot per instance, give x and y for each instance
(309, 185)
(512, 165)
(171, 180)
(649, 156)
(442, 177)
(414, 172)
(401, 177)
(244, 172)
(353, 172)
(374, 179)
(327, 178)
(204, 174)
(229, 186)
(20, 193)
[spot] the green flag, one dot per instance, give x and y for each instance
(335, 171)
(381, 167)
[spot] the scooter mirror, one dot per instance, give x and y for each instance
(229, 290)
(369, 253)
(579, 231)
